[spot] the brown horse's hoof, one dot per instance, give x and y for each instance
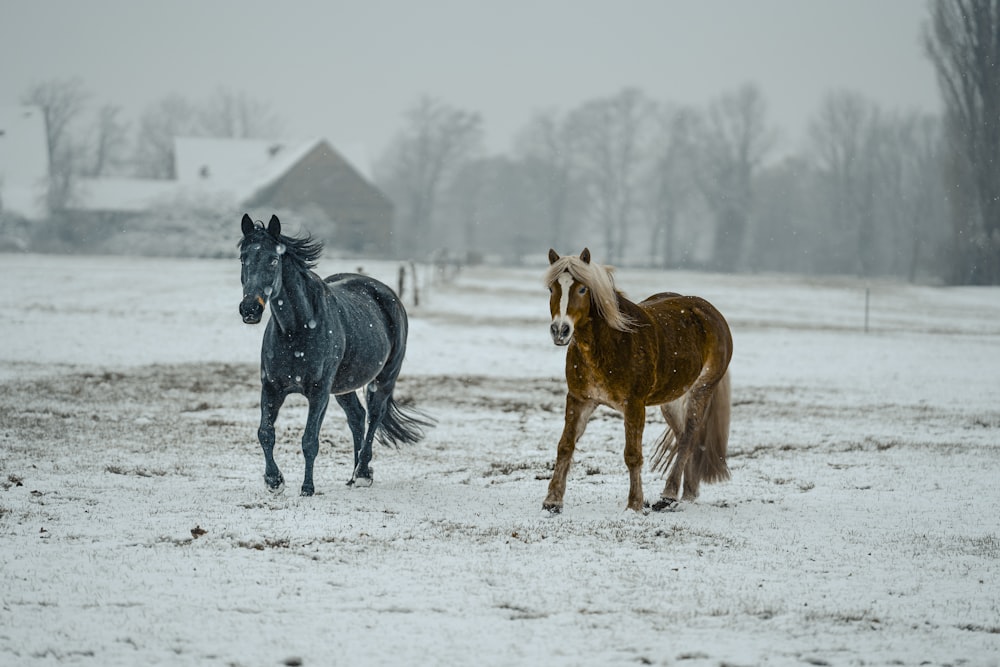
(666, 505)
(552, 508)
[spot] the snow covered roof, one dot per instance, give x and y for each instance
(122, 194)
(236, 166)
(24, 162)
(233, 169)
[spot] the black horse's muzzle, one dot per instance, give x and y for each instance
(252, 309)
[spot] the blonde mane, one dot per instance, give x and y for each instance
(601, 283)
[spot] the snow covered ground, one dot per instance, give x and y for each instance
(860, 527)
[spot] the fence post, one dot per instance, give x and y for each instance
(867, 302)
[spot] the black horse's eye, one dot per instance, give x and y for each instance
(274, 262)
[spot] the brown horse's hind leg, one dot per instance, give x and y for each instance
(699, 454)
(578, 411)
(673, 413)
(692, 480)
(682, 458)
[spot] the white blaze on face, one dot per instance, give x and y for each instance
(565, 281)
(561, 321)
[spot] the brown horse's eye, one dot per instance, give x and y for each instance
(582, 290)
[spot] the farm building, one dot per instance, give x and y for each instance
(328, 194)
(310, 178)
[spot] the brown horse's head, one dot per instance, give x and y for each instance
(569, 300)
(577, 286)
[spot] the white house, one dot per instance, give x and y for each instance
(24, 162)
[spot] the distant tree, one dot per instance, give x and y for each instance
(962, 40)
(732, 143)
(226, 114)
(435, 142)
(464, 201)
(670, 181)
(612, 147)
(844, 136)
(236, 115)
(912, 191)
(490, 203)
(62, 101)
(547, 147)
(109, 142)
(789, 234)
(159, 125)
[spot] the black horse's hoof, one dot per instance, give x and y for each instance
(307, 491)
(666, 505)
(275, 484)
(361, 482)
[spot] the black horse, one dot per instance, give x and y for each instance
(324, 337)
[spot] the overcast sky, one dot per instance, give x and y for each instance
(348, 70)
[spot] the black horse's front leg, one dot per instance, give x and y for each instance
(318, 401)
(271, 400)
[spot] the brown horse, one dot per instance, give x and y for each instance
(670, 351)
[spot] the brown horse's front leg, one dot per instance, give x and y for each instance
(635, 423)
(578, 411)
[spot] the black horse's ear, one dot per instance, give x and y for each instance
(585, 256)
(246, 225)
(274, 226)
(553, 256)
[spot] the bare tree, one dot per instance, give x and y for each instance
(844, 137)
(670, 183)
(962, 40)
(159, 125)
(437, 139)
(613, 140)
(62, 102)
(732, 143)
(464, 196)
(911, 189)
(546, 145)
(491, 205)
(236, 115)
(110, 141)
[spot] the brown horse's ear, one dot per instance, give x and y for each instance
(246, 225)
(274, 226)
(553, 256)
(585, 256)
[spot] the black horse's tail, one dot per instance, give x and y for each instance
(402, 426)
(399, 425)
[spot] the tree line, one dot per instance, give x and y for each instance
(870, 192)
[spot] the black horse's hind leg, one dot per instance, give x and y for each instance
(377, 397)
(310, 439)
(356, 420)
(270, 402)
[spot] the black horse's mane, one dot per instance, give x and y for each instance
(304, 251)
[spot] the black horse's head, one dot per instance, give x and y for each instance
(261, 252)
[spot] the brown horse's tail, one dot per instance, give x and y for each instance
(707, 462)
(709, 457)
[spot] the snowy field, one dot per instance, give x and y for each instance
(860, 527)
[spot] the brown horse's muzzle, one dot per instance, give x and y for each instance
(561, 330)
